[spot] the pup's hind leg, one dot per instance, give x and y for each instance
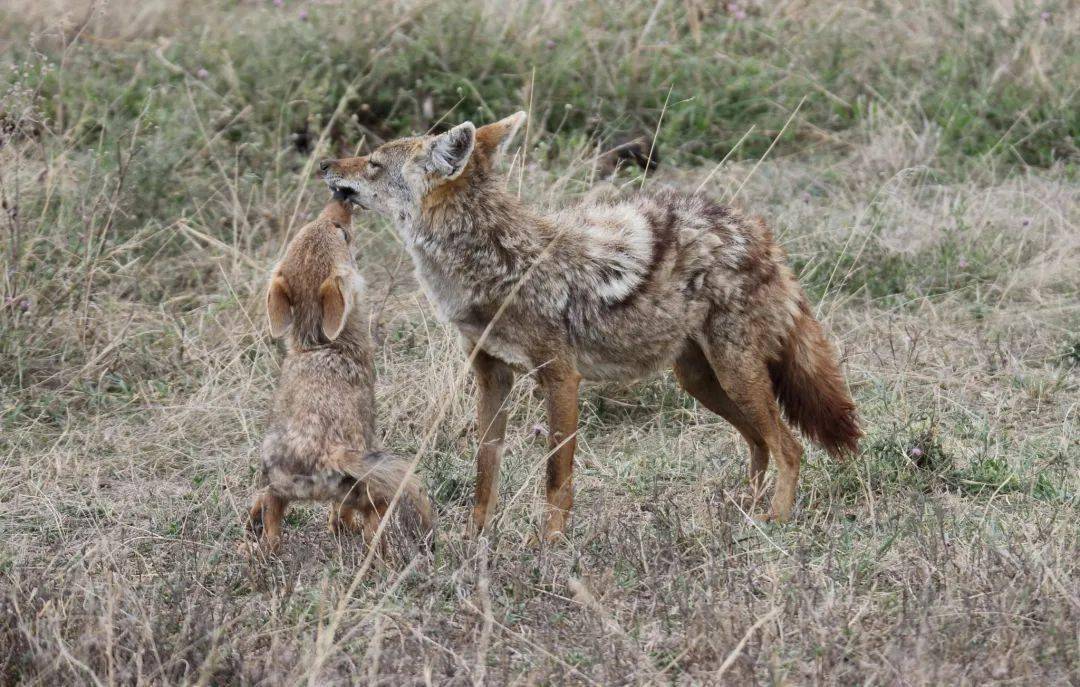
(342, 519)
(264, 518)
(373, 515)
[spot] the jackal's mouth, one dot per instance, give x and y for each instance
(344, 193)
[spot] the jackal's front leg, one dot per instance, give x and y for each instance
(493, 382)
(560, 381)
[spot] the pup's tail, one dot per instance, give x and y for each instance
(811, 390)
(380, 474)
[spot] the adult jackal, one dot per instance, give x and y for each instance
(606, 291)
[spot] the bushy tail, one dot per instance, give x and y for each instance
(381, 473)
(811, 390)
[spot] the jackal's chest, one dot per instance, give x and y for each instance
(460, 301)
(478, 328)
(446, 289)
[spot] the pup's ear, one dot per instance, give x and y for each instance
(336, 304)
(450, 152)
(495, 138)
(278, 307)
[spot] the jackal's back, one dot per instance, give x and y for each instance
(648, 270)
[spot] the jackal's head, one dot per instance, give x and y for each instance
(395, 178)
(316, 285)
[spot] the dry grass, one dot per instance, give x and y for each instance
(135, 369)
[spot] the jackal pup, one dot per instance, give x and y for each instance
(611, 290)
(320, 445)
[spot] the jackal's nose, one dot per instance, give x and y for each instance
(324, 165)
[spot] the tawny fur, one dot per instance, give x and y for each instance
(321, 441)
(608, 290)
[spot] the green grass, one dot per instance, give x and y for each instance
(993, 87)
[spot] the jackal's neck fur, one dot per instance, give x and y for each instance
(473, 211)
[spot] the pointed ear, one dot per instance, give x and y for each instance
(278, 307)
(450, 152)
(494, 139)
(335, 306)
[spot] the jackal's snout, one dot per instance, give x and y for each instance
(334, 173)
(329, 173)
(338, 168)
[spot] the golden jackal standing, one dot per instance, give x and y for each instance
(322, 431)
(607, 291)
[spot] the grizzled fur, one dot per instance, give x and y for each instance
(608, 290)
(321, 440)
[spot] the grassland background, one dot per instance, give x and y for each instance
(917, 159)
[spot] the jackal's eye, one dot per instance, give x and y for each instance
(374, 168)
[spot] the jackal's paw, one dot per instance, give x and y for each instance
(555, 529)
(479, 523)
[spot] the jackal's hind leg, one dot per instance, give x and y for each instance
(695, 375)
(751, 406)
